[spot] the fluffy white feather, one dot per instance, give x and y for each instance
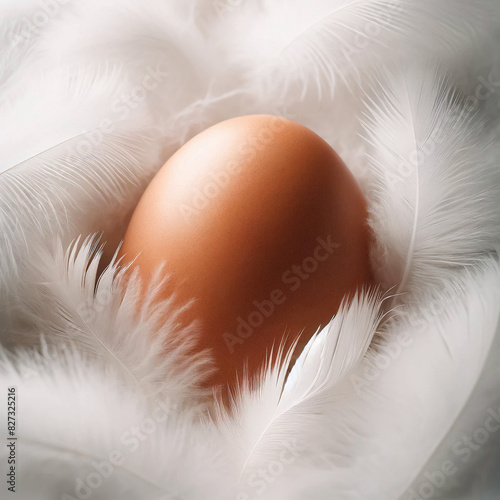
(315, 45)
(400, 407)
(267, 418)
(111, 61)
(62, 193)
(100, 316)
(83, 432)
(436, 205)
(19, 35)
(473, 442)
(421, 394)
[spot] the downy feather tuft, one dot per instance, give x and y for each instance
(100, 316)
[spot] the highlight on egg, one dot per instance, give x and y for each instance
(262, 225)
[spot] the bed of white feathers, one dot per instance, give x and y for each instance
(407, 92)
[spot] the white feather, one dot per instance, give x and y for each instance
(99, 315)
(401, 401)
(472, 443)
(62, 193)
(275, 413)
(78, 424)
(19, 36)
(435, 206)
(415, 401)
(303, 46)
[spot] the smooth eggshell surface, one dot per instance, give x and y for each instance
(259, 220)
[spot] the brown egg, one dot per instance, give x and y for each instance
(259, 220)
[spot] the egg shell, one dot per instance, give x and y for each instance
(261, 223)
